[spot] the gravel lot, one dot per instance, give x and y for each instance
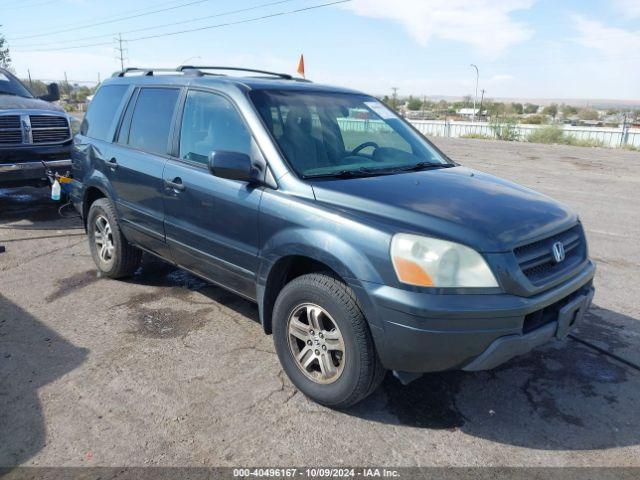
(164, 369)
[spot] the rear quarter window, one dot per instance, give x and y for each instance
(151, 121)
(100, 117)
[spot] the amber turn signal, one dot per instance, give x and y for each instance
(411, 273)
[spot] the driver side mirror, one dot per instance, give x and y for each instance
(53, 94)
(233, 166)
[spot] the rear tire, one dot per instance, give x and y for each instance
(317, 320)
(114, 256)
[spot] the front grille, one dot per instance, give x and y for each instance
(10, 129)
(536, 259)
(49, 129)
(10, 137)
(9, 122)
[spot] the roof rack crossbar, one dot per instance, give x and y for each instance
(147, 72)
(182, 68)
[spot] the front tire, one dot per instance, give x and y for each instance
(114, 256)
(323, 341)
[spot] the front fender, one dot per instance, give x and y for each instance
(352, 265)
(322, 246)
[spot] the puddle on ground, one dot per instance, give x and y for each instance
(602, 332)
(68, 285)
(581, 371)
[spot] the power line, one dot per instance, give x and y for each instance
(209, 27)
(104, 22)
(263, 17)
(126, 12)
(153, 27)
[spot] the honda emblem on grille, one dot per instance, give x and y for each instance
(558, 251)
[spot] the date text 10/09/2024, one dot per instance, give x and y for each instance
(315, 472)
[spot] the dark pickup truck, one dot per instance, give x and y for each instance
(34, 133)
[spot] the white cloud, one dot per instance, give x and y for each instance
(610, 41)
(484, 24)
(631, 8)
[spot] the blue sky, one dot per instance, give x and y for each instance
(523, 48)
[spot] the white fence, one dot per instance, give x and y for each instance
(610, 137)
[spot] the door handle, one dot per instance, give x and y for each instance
(112, 163)
(175, 184)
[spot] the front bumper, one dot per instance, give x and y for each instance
(30, 173)
(422, 332)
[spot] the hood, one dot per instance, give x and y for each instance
(12, 102)
(477, 209)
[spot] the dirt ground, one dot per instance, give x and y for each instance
(166, 370)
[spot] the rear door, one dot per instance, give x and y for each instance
(137, 162)
(211, 223)
(93, 146)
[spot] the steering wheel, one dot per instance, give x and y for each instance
(362, 146)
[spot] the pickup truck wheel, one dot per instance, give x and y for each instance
(112, 254)
(323, 341)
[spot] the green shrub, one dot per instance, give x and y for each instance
(505, 130)
(550, 134)
(479, 136)
(583, 142)
(554, 134)
(534, 120)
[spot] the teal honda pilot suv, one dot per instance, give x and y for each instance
(365, 247)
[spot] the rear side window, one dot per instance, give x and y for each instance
(151, 121)
(210, 122)
(102, 110)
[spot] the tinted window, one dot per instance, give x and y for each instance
(102, 110)
(151, 120)
(326, 134)
(210, 122)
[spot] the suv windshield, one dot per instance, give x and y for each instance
(9, 85)
(340, 134)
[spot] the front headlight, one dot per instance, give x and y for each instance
(429, 262)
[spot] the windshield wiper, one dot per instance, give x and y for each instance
(425, 166)
(358, 172)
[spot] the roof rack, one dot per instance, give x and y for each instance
(198, 69)
(147, 72)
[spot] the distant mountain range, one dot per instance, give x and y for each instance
(599, 103)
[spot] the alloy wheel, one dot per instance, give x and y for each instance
(316, 343)
(103, 238)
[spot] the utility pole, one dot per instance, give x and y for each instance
(120, 50)
(475, 99)
(394, 97)
(30, 82)
(481, 100)
(624, 137)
